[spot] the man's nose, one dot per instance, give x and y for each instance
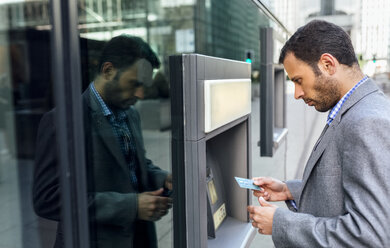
(139, 92)
(298, 92)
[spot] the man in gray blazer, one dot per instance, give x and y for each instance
(344, 195)
(125, 189)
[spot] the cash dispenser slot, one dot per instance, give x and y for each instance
(227, 216)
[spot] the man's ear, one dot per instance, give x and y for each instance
(108, 71)
(328, 64)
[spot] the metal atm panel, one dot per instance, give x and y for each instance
(273, 129)
(209, 208)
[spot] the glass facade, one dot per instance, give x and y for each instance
(25, 95)
(126, 153)
(229, 29)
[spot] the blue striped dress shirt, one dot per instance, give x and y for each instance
(337, 107)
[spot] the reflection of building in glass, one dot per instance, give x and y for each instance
(366, 21)
(286, 11)
(23, 14)
(375, 28)
(157, 22)
(329, 13)
(210, 27)
(228, 29)
(221, 29)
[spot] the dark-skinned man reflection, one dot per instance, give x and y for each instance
(125, 189)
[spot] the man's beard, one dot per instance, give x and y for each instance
(327, 93)
(112, 91)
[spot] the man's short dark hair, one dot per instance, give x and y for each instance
(317, 37)
(124, 50)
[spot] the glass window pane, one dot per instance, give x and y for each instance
(25, 96)
(125, 46)
(126, 139)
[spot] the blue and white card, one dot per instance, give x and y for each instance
(247, 183)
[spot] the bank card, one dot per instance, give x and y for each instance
(246, 183)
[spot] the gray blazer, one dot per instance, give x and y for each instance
(344, 195)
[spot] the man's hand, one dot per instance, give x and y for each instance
(152, 206)
(168, 182)
(272, 189)
(262, 216)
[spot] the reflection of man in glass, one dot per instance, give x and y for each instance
(125, 188)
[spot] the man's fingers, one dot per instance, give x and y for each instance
(266, 196)
(261, 216)
(258, 218)
(255, 214)
(254, 211)
(263, 202)
(152, 206)
(156, 192)
(256, 221)
(163, 212)
(251, 209)
(263, 194)
(260, 192)
(260, 181)
(157, 203)
(161, 203)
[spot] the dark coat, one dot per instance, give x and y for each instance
(112, 198)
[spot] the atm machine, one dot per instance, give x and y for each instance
(211, 106)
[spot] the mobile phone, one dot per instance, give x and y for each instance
(167, 192)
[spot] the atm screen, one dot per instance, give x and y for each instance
(216, 207)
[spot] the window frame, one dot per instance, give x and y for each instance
(67, 85)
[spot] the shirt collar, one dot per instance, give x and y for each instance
(120, 114)
(105, 109)
(337, 107)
